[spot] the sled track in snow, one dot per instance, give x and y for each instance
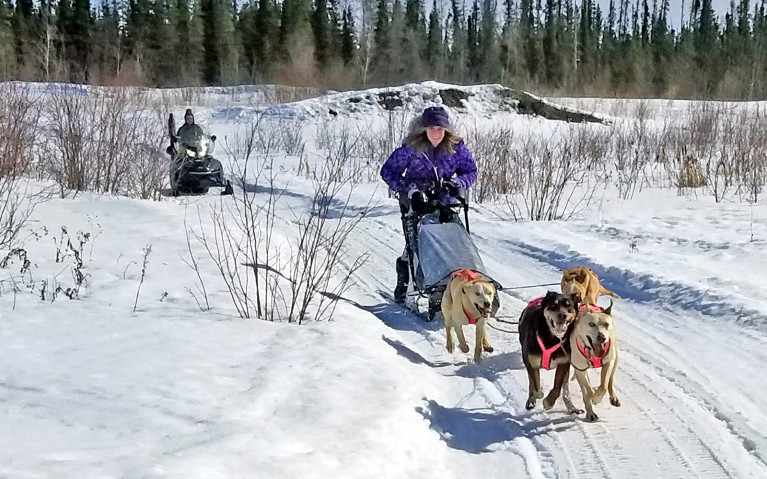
(657, 423)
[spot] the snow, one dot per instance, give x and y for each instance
(90, 388)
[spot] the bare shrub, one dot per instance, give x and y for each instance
(18, 200)
(19, 113)
(103, 143)
(320, 252)
(243, 226)
(348, 148)
(496, 175)
(557, 183)
(269, 275)
(537, 178)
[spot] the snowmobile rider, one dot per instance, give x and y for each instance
(189, 131)
(431, 155)
(189, 134)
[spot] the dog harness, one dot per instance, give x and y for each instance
(471, 275)
(592, 308)
(535, 302)
(546, 353)
(467, 273)
(596, 361)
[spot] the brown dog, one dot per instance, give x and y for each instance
(584, 285)
(468, 299)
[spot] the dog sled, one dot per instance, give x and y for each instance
(437, 244)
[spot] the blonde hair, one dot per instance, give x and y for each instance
(417, 139)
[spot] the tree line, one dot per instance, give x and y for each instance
(555, 46)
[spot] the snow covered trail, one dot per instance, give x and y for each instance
(686, 412)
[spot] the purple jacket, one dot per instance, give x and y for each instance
(404, 168)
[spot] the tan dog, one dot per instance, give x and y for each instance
(593, 345)
(468, 299)
(584, 284)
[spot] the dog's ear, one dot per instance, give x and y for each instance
(566, 274)
(583, 275)
(551, 297)
(609, 309)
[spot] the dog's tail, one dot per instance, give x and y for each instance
(606, 292)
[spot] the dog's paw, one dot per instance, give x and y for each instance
(478, 358)
(488, 348)
(598, 395)
(575, 410)
(548, 404)
(591, 417)
(464, 347)
(530, 404)
(615, 401)
(450, 347)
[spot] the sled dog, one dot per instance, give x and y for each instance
(544, 330)
(468, 299)
(593, 345)
(584, 283)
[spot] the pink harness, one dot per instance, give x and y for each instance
(596, 361)
(471, 275)
(546, 357)
(535, 302)
(546, 353)
(592, 308)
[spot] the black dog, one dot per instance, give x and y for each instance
(544, 330)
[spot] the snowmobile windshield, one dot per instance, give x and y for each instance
(196, 142)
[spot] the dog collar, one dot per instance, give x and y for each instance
(472, 319)
(546, 353)
(592, 308)
(596, 361)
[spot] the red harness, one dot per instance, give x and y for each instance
(592, 308)
(471, 275)
(596, 361)
(535, 302)
(546, 353)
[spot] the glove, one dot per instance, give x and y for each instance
(451, 187)
(419, 203)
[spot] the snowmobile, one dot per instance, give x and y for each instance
(193, 169)
(438, 243)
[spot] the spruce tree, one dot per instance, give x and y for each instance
(382, 43)
(458, 54)
(348, 40)
(23, 31)
(435, 47)
(266, 27)
(528, 33)
(321, 28)
(551, 44)
(7, 42)
(488, 44)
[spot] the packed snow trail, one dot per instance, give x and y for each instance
(678, 419)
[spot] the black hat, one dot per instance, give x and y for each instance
(188, 113)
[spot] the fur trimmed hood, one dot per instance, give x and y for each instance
(417, 139)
